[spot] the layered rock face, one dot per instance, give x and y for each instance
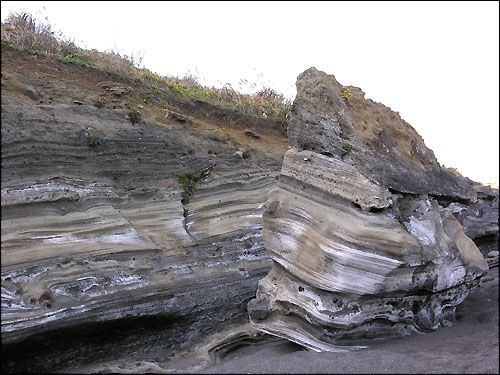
(94, 228)
(361, 228)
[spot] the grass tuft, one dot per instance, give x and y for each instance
(188, 181)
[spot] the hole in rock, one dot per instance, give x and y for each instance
(414, 308)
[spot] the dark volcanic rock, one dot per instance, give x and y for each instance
(29, 91)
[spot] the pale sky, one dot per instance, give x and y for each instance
(436, 63)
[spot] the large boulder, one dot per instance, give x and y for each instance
(363, 239)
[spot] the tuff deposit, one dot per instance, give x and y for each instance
(362, 228)
(121, 233)
(98, 231)
(133, 233)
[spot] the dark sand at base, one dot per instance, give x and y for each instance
(470, 345)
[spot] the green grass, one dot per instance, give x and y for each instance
(79, 59)
(7, 43)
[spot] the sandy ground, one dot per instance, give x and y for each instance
(470, 345)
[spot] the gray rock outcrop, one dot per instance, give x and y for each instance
(131, 236)
(362, 231)
(480, 220)
(94, 230)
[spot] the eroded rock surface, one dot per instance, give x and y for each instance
(480, 220)
(361, 228)
(130, 230)
(94, 230)
(107, 259)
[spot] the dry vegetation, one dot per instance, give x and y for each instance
(22, 31)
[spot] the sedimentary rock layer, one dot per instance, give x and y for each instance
(362, 243)
(94, 230)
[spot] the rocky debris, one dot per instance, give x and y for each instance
(116, 88)
(176, 116)
(361, 228)
(29, 91)
(252, 134)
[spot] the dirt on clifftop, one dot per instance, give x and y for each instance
(48, 81)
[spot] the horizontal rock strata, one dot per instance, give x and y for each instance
(361, 228)
(94, 230)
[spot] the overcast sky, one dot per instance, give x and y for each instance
(436, 63)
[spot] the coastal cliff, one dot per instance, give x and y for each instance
(143, 228)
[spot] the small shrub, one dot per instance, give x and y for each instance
(134, 117)
(188, 181)
(346, 94)
(7, 43)
(347, 147)
(99, 103)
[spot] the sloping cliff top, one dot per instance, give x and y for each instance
(336, 120)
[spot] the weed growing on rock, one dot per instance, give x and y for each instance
(347, 147)
(99, 103)
(188, 181)
(134, 117)
(346, 94)
(154, 91)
